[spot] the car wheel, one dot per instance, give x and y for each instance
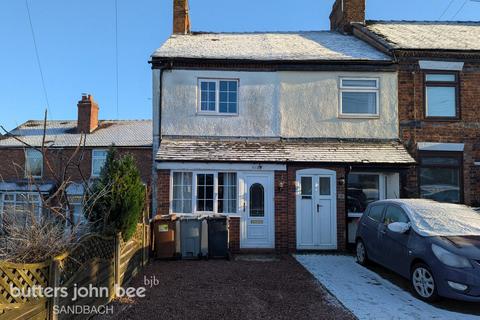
(361, 253)
(423, 283)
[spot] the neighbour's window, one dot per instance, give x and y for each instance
(375, 213)
(99, 157)
(205, 187)
(33, 163)
(362, 190)
(182, 192)
(440, 176)
(395, 214)
(227, 192)
(19, 208)
(441, 92)
(359, 97)
(218, 96)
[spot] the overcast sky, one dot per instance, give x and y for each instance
(76, 45)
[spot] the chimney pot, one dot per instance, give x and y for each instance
(346, 12)
(181, 17)
(87, 120)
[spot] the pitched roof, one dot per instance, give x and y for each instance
(427, 35)
(123, 133)
(328, 151)
(276, 46)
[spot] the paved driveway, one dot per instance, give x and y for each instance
(253, 288)
(378, 293)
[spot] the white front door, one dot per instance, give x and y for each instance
(257, 229)
(316, 210)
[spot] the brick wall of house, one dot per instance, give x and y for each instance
(163, 192)
(415, 128)
(12, 163)
(282, 218)
(234, 234)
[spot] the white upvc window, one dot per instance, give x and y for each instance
(364, 188)
(20, 207)
(359, 97)
(204, 192)
(218, 96)
(33, 163)
(99, 158)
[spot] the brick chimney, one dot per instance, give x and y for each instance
(181, 17)
(345, 12)
(87, 114)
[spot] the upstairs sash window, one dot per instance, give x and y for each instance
(218, 96)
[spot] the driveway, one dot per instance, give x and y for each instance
(251, 288)
(377, 293)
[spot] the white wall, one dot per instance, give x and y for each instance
(277, 104)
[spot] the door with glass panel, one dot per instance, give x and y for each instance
(316, 212)
(257, 211)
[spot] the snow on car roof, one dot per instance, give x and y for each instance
(431, 218)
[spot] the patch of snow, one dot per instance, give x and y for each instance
(366, 294)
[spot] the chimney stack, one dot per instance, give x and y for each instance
(87, 120)
(181, 17)
(344, 13)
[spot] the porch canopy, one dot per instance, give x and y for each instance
(356, 151)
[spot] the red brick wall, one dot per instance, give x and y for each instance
(234, 234)
(282, 217)
(12, 163)
(415, 128)
(163, 192)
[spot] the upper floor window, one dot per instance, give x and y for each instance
(33, 163)
(441, 95)
(99, 157)
(218, 96)
(359, 97)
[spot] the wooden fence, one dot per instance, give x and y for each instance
(98, 261)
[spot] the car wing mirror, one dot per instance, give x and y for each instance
(399, 227)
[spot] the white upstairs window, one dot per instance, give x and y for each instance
(359, 97)
(99, 157)
(33, 163)
(218, 96)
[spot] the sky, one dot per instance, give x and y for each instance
(76, 45)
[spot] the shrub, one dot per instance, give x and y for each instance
(118, 197)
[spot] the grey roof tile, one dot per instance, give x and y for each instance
(331, 151)
(274, 46)
(428, 35)
(125, 133)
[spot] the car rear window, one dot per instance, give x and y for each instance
(375, 213)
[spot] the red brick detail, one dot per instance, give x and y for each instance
(163, 192)
(234, 234)
(281, 211)
(414, 127)
(344, 12)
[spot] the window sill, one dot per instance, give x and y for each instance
(442, 119)
(355, 215)
(216, 114)
(358, 116)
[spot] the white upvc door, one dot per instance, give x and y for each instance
(316, 210)
(256, 210)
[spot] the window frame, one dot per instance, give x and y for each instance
(27, 174)
(195, 173)
(441, 154)
(93, 175)
(342, 89)
(217, 97)
(382, 189)
(16, 194)
(455, 84)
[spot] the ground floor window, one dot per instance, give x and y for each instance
(20, 207)
(363, 189)
(204, 192)
(77, 204)
(440, 176)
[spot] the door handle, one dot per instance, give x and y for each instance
(318, 208)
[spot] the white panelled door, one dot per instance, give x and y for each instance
(316, 210)
(257, 210)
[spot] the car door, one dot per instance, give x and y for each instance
(370, 225)
(394, 245)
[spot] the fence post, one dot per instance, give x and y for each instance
(54, 282)
(117, 256)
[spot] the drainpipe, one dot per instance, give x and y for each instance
(157, 137)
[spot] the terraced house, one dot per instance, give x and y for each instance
(439, 99)
(291, 134)
(25, 171)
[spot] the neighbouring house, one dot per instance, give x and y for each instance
(20, 162)
(438, 101)
(291, 134)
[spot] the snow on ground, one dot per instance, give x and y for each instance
(368, 295)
